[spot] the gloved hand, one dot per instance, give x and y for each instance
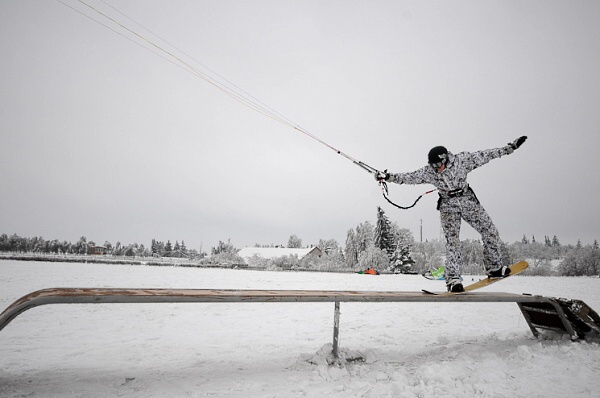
(515, 144)
(382, 175)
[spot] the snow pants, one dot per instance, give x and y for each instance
(476, 216)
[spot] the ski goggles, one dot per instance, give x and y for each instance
(438, 164)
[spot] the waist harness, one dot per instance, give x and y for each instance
(456, 193)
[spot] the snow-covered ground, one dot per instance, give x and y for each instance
(279, 349)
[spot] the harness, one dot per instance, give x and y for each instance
(455, 193)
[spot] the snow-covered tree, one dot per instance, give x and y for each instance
(401, 259)
(224, 248)
(584, 261)
(328, 246)
(364, 236)
(373, 257)
(226, 253)
(351, 253)
(384, 237)
(81, 246)
(357, 241)
(294, 242)
(555, 242)
(168, 249)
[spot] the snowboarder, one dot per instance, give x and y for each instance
(448, 173)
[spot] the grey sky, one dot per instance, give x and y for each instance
(100, 137)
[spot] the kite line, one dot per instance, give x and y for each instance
(203, 72)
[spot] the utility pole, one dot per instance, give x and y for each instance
(421, 230)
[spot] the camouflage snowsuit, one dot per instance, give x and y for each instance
(463, 206)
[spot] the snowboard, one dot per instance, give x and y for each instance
(515, 269)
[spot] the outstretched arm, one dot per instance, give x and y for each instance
(421, 176)
(480, 158)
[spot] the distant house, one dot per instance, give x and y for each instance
(275, 252)
(97, 250)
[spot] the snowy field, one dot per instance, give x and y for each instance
(277, 349)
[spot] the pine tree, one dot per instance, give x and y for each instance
(168, 249)
(384, 238)
(183, 249)
(402, 260)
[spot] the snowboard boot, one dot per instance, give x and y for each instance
(455, 285)
(501, 272)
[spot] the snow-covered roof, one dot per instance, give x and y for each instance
(274, 252)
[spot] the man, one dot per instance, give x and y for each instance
(448, 173)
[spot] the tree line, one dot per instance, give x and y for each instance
(382, 245)
(17, 244)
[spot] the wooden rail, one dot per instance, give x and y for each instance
(536, 309)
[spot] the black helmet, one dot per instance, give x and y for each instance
(437, 156)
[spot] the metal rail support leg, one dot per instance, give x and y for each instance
(336, 330)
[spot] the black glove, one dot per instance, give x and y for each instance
(518, 142)
(382, 175)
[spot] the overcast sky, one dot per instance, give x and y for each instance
(104, 139)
